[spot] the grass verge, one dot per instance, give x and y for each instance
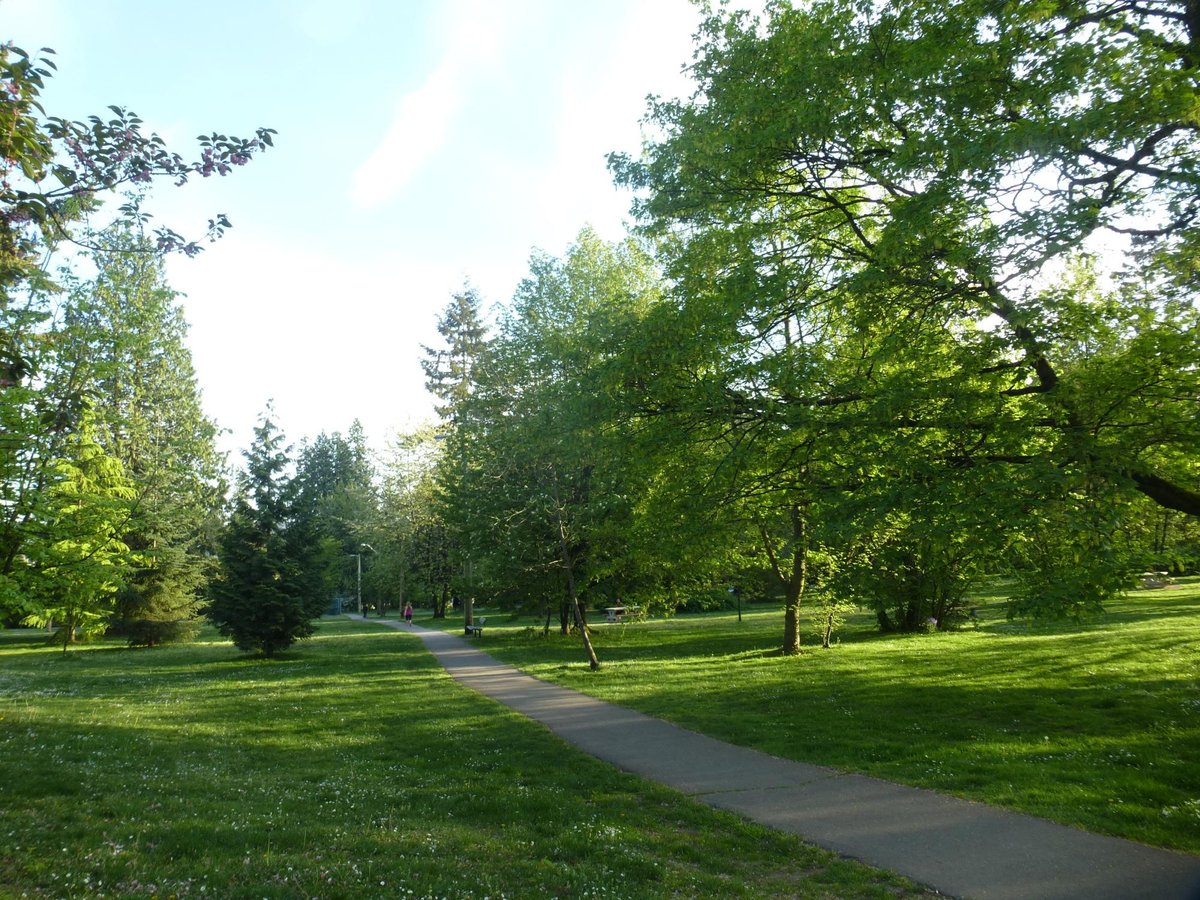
(1093, 724)
(351, 766)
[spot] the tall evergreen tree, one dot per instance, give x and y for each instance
(452, 375)
(450, 372)
(335, 490)
(128, 328)
(268, 589)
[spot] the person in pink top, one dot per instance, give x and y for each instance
(408, 613)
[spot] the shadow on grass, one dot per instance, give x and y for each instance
(344, 772)
(1094, 723)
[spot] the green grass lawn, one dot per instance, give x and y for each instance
(352, 766)
(1094, 724)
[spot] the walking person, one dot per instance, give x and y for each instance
(408, 613)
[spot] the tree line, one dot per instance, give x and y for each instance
(910, 301)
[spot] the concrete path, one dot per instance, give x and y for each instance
(957, 847)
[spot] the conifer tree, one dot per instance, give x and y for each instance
(334, 487)
(450, 373)
(268, 590)
(129, 335)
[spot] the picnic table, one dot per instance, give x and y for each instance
(1152, 580)
(614, 614)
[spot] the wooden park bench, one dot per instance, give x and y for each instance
(476, 628)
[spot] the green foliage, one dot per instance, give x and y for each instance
(914, 563)
(78, 562)
(861, 209)
(268, 590)
(334, 481)
(102, 364)
(1072, 561)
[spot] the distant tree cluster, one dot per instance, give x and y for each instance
(286, 548)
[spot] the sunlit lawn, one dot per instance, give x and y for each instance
(1094, 724)
(350, 767)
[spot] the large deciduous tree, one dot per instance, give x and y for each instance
(543, 498)
(910, 186)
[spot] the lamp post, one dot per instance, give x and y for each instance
(358, 565)
(358, 562)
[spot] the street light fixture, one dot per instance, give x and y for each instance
(358, 561)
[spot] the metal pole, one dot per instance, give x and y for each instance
(362, 547)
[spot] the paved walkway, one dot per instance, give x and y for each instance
(955, 846)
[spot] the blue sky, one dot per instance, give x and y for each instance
(420, 144)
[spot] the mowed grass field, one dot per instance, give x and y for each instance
(1095, 724)
(351, 766)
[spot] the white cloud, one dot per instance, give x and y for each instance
(328, 339)
(601, 104)
(327, 23)
(419, 127)
(423, 117)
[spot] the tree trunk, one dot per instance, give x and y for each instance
(568, 564)
(796, 582)
(791, 623)
(593, 662)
